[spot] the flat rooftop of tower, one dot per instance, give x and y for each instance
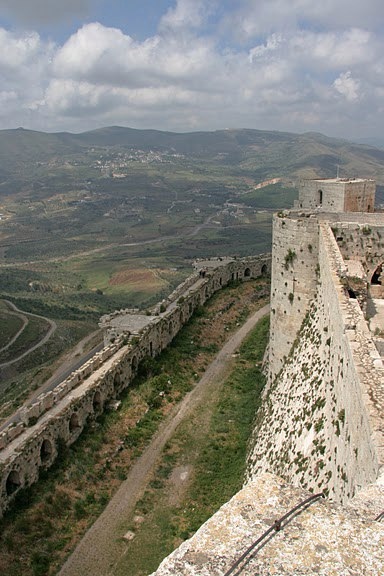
(342, 180)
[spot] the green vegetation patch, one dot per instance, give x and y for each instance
(273, 196)
(211, 448)
(220, 467)
(10, 326)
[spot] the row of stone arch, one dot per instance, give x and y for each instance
(48, 448)
(14, 479)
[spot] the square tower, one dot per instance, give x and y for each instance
(337, 195)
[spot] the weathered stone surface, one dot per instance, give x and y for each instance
(325, 539)
(321, 423)
(337, 195)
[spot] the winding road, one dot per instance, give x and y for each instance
(51, 331)
(24, 320)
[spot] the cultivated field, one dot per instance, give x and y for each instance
(77, 241)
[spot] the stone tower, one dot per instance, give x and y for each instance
(337, 195)
(295, 258)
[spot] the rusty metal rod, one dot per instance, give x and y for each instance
(277, 525)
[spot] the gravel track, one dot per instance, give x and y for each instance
(51, 331)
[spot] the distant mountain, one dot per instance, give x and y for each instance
(259, 153)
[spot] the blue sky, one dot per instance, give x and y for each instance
(186, 65)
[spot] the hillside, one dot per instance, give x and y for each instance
(257, 153)
(113, 218)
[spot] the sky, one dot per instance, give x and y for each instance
(189, 65)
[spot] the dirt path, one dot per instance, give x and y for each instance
(24, 320)
(102, 546)
(52, 328)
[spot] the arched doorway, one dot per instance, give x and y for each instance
(13, 482)
(247, 272)
(74, 423)
(46, 451)
(376, 276)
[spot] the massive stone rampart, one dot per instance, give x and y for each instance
(294, 262)
(321, 424)
(320, 539)
(60, 416)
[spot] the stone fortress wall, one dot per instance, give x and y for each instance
(59, 417)
(321, 425)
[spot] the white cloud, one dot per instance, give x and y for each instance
(105, 56)
(258, 18)
(272, 45)
(190, 76)
(348, 86)
(185, 15)
(24, 74)
(350, 47)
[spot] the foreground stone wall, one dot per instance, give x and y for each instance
(323, 539)
(321, 423)
(59, 417)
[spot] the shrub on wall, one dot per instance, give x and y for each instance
(289, 258)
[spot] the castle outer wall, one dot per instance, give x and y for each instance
(59, 417)
(321, 424)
